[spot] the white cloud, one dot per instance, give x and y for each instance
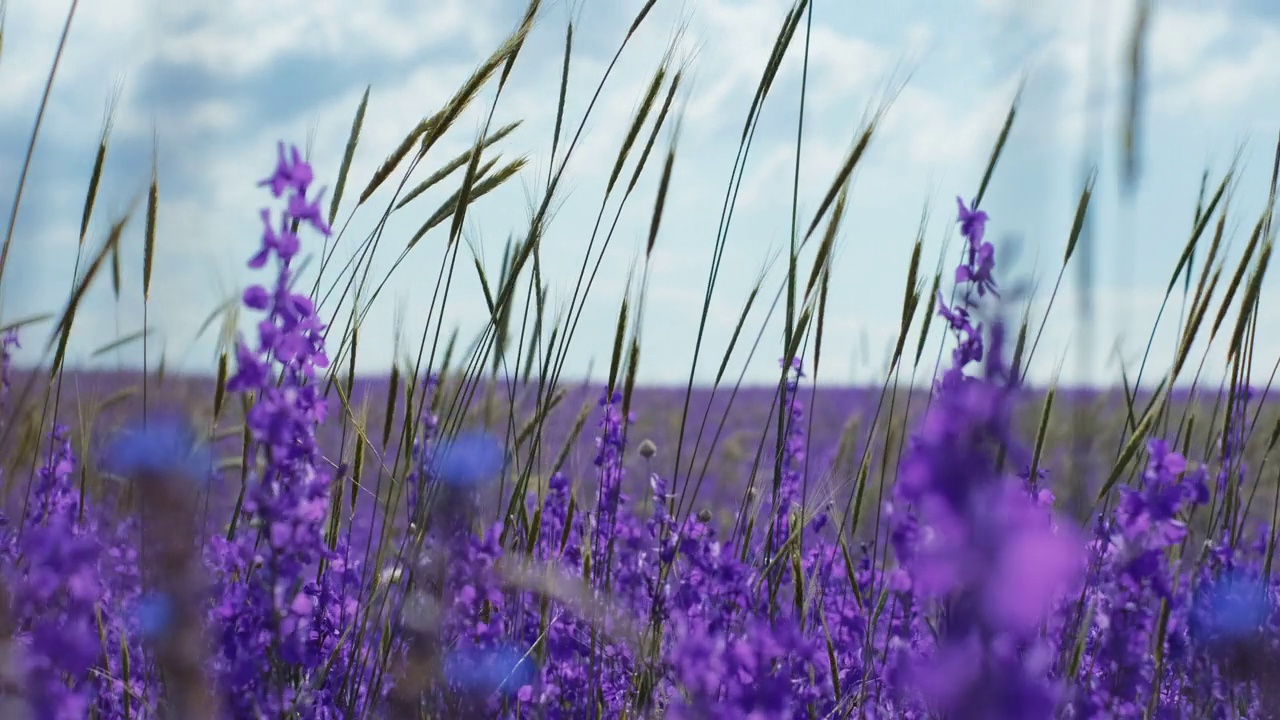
(1203, 58)
(1181, 38)
(1219, 83)
(1038, 15)
(240, 37)
(940, 131)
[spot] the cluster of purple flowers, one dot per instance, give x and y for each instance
(975, 544)
(978, 602)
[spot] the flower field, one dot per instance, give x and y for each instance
(475, 535)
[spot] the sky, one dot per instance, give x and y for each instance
(214, 86)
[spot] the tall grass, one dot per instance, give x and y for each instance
(395, 531)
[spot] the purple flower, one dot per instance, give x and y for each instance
(283, 242)
(1037, 564)
(296, 173)
(309, 211)
(973, 223)
(987, 555)
(287, 589)
(257, 297)
(980, 256)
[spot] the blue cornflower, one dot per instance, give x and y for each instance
(1234, 606)
(154, 613)
(162, 446)
(468, 459)
(501, 669)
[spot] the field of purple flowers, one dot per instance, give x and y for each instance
(470, 540)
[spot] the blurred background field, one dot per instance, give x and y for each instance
(1082, 439)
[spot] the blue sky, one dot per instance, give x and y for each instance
(220, 86)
